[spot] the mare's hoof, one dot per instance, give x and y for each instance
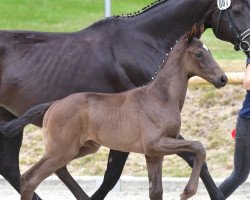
(219, 196)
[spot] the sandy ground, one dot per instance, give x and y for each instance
(64, 195)
(56, 190)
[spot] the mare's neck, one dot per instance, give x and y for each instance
(169, 20)
(170, 85)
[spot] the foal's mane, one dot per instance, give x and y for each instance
(180, 45)
(143, 10)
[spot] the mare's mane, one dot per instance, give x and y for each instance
(143, 10)
(36, 37)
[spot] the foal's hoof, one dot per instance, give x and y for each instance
(185, 197)
(187, 194)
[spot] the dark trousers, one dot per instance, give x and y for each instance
(241, 158)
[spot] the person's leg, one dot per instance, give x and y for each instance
(241, 158)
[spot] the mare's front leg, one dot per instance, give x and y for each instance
(154, 167)
(116, 162)
(213, 191)
(167, 146)
(9, 155)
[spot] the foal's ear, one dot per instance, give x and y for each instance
(192, 33)
(196, 31)
(200, 30)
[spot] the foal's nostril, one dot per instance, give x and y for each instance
(223, 79)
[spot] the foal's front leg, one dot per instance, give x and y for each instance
(213, 191)
(167, 146)
(154, 166)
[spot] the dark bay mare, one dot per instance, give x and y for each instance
(112, 55)
(144, 120)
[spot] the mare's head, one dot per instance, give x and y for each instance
(198, 61)
(230, 22)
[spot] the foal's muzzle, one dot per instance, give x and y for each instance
(222, 81)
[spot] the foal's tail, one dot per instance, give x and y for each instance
(15, 127)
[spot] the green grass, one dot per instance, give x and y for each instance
(59, 15)
(221, 50)
(221, 109)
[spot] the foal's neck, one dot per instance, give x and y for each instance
(170, 85)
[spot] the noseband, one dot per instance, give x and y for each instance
(241, 43)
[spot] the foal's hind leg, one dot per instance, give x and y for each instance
(154, 166)
(41, 170)
(68, 180)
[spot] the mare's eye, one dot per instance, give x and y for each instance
(199, 55)
(236, 12)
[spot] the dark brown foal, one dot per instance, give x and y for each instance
(145, 120)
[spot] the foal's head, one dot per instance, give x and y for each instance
(198, 61)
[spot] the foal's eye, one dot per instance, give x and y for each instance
(199, 55)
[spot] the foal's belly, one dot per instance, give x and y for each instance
(121, 141)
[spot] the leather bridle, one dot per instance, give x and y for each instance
(240, 43)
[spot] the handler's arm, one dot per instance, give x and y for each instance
(246, 80)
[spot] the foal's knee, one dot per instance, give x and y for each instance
(199, 150)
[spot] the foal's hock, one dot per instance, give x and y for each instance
(144, 120)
